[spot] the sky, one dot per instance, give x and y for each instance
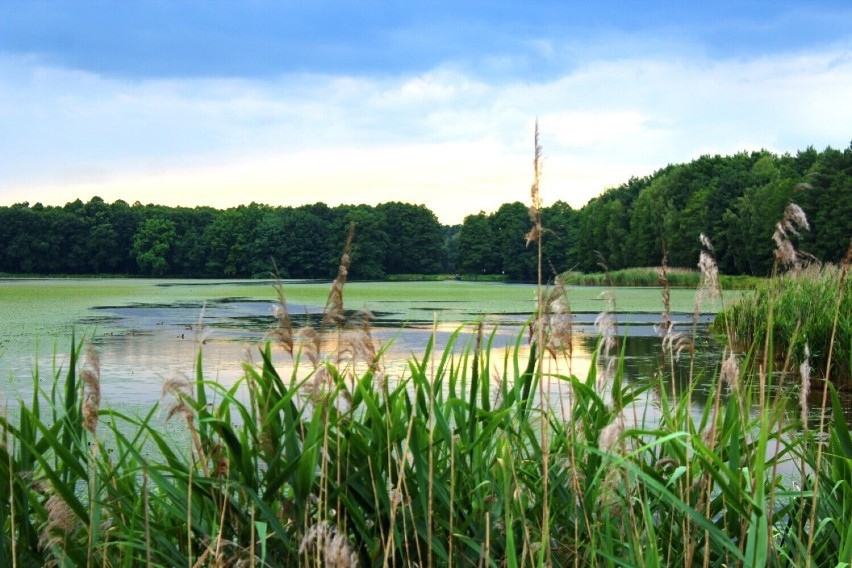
(220, 103)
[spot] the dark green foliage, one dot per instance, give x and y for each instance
(153, 240)
(734, 200)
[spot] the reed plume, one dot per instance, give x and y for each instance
(90, 375)
(282, 331)
(793, 220)
(333, 314)
(60, 525)
(324, 543)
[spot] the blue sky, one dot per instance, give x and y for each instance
(222, 103)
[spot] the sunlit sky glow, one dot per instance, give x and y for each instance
(223, 103)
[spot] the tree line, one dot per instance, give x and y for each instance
(240, 242)
(735, 200)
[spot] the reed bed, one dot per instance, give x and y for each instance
(643, 277)
(804, 305)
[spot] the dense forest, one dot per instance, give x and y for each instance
(735, 200)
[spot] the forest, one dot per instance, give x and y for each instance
(735, 200)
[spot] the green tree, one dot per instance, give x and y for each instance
(509, 225)
(417, 243)
(476, 248)
(152, 245)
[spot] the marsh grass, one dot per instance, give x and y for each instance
(649, 276)
(804, 305)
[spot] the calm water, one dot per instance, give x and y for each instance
(142, 344)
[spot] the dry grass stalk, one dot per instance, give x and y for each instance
(357, 345)
(311, 345)
(90, 374)
(805, 372)
(555, 322)
(535, 195)
(611, 433)
(333, 314)
(177, 386)
(666, 316)
(606, 327)
(282, 331)
(709, 288)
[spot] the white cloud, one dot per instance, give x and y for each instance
(445, 138)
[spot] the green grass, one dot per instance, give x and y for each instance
(803, 307)
(650, 276)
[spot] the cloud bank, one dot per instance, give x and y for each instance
(453, 139)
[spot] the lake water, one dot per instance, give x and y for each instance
(147, 331)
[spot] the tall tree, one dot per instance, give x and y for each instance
(152, 246)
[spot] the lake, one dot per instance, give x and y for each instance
(148, 330)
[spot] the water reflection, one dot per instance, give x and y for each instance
(140, 345)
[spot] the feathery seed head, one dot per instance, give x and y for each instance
(327, 545)
(177, 386)
(791, 222)
(709, 275)
(60, 522)
(611, 433)
(730, 373)
(91, 379)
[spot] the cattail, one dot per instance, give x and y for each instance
(805, 372)
(91, 378)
